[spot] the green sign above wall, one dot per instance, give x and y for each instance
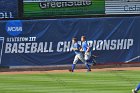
(47, 8)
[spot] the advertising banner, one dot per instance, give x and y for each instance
(8, 9)
(122, 6)
(45, 8)
(48, 42)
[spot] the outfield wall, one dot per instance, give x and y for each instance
(8, 9)
(48, 42)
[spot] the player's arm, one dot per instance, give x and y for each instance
(76, 48)
(88, 49)
(81, 49)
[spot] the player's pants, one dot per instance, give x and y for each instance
(79, 57)
(138, 87)
(87, 55)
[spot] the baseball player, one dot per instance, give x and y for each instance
(136, 89)
(87, 51)
(79, 56)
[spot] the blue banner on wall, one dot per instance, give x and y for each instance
(48, 42)
(8, 9)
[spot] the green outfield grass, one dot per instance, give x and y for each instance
(94, 82)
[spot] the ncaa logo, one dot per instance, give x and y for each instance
(14, 27)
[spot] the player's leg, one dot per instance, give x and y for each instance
(88, 58)
(74, 63)
(92, 59)
(87, 55)
(84, 61)
(136, 89)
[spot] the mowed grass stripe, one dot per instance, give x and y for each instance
(102, 82)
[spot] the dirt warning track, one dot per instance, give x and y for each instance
(77, 70)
